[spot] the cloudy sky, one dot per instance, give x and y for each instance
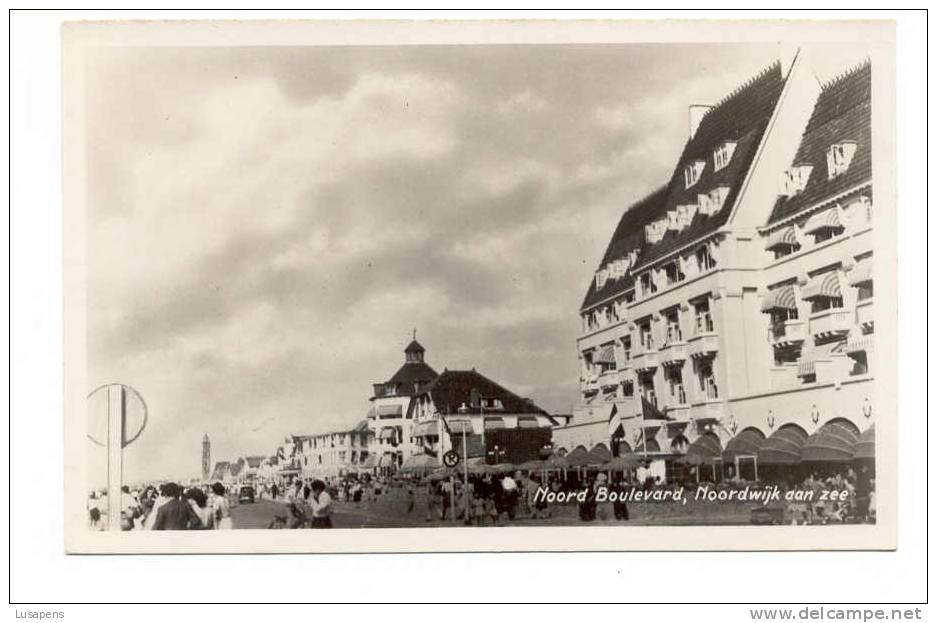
(268, 225)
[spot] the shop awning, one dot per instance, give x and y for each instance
(828, 219)
(390, 410)
(783, 447)
(861, 272)
(424, 429)
(834, 442)
(386, 460)
(606, 355)
(779, 298)
(652, 447)
(527, 421)
(557, 461)
(746, 443)
(706, 450)
(865, 446)
(369, 462)
(599, 454)
(579, 456)
(622, 462)
(823, 285)
(387, 433)
(494, 423)
(784, 236)
(458, 426)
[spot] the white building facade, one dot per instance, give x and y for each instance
(737, 298)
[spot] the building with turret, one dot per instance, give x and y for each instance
(391, 429)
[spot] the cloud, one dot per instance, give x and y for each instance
(266, 227)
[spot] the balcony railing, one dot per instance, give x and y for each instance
(787, 332)
(645, 360)
(865, 315)
(830, 322)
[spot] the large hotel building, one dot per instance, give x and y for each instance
(730, 320)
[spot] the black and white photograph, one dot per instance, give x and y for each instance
(477, 289)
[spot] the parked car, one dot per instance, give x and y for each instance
(246, 495)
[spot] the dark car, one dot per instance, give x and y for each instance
(246, 495)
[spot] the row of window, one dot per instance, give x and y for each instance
(597, 361)
(668, 275)
(676, 394)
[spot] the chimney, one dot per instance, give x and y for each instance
(696, 115)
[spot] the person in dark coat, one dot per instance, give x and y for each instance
(176, 514)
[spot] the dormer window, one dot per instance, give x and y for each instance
(685, 214)
(655, 231)
(794, 180)
(723, 154)
(601, 276)
(712, 202)
(692, 172)
(838, 158)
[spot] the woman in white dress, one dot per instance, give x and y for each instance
(221, 508)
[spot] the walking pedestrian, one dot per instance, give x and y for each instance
(221, 508)
(320, 503)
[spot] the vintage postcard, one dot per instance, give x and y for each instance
(479, 286)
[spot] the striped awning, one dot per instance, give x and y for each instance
(834, 442)
(493, 423)
(822, 285)
(424, 429)
(459, 425)
(782, 237)
(779, 298)
(783, 447)
(746, 443)
(652, 447)
(823, 352)
(599, 454)
(606, 355)
(578, 457)
(865, 446)
(861, 272)
(828, 219)
(706, 450)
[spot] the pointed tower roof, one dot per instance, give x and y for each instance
(414, 347)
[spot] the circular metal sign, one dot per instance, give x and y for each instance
(135, 414)
(451, 458)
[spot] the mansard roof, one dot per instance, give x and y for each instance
(843, 113)
(740, 118)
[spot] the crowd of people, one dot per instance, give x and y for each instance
(166, 507)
